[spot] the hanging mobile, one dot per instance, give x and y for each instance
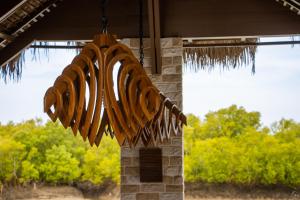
(141, 111)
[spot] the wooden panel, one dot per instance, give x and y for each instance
(150, 165)
(215, 18)
(81, 20)
(76, 20)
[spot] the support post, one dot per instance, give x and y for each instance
(133, 185)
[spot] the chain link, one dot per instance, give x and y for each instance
(104, 20)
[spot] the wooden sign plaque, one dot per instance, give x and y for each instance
(150, 165)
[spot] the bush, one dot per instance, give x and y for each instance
(241, 152)
(227, 146)
(32, 152)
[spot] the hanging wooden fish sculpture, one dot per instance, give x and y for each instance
(136, 110)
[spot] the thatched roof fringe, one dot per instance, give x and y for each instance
(227, 57)
(13, 69)
(204, 58)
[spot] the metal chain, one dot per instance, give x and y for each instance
(104, 20)
(141, 33)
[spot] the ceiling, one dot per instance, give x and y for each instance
(23, 21)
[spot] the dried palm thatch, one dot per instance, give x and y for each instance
(13, 69)
(208, 58)
(195, 58)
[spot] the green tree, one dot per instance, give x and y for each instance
(230, 122)
(229, 146)
(60, 166)
(286, 130)
(11, 155)
(102, 164)
(191, 132)
(29, 172)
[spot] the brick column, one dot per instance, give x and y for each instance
(170, 83)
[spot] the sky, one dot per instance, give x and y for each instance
(273, 90)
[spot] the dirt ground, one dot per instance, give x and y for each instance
(58, 193)
(199, 191)
(193, 192)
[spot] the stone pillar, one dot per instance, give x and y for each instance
(170, 83)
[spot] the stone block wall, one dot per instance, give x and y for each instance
(170, 83)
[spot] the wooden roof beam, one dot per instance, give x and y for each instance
(240, 44)
(25, 39)
(186, 44)
(6, 36)
(32, 18)
(34, 15)
(293, 5)
(151, 34)
(14, 49)
(9, 7)
(155, 35)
